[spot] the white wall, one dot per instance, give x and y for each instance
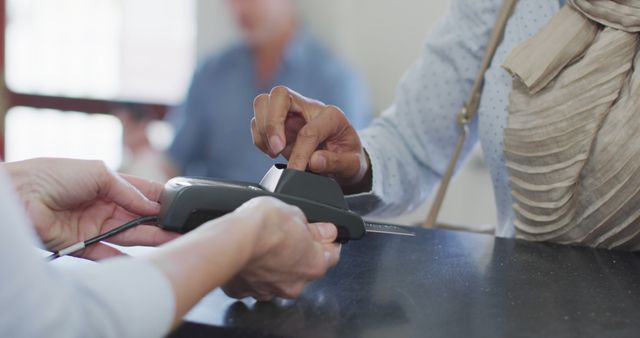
(381, 38)
(214, 27)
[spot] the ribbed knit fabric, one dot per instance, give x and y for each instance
(571, 144)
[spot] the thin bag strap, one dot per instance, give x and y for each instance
(470, 108)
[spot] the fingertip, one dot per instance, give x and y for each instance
(136, 195)
(260, 100)
(276, 144)
(332, 255)
(328, 231)
(327, 257)
(318, 163)
(144, 207)
(153, 206)
(263, 297)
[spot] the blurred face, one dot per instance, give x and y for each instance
(261, 20)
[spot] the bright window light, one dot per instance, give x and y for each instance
(139, 50)
(52, 133)
(121, 50)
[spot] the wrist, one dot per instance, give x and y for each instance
(241, 227)
(262, 220)
(364, 178)
(207, 257)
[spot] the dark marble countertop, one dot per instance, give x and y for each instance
(445, 284)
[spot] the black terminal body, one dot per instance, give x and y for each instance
(187, 202)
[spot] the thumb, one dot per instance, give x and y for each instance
(127, 196)
(323, 232)
(347, 167)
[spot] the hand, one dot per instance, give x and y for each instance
(263, 249)
(134, 131)
(72, 200)
(288, 253)
(310, 134)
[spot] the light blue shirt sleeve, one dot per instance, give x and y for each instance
(121, 297)
(411, 143)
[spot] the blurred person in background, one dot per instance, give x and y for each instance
(140, 157)
(213, 137)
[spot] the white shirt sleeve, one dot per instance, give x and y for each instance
(411, 143)
(122, 297)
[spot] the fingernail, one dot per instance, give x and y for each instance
(327, 257)
(276, 144)
(319, 162)
(153, 204)
(327, 230)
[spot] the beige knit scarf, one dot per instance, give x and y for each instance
(572, 142)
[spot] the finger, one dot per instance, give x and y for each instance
(258, 140)
(332, 254)
(286, 153)
(318, 261)
(290, 290)
(124, 194)
(273, 123)
(99, 251)
(263, 297)
(323, 232)
(260, 111)
(316, 131)
(345, 166)
(150, 189)
(145, 235)
(293, 124)
(236, 288)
